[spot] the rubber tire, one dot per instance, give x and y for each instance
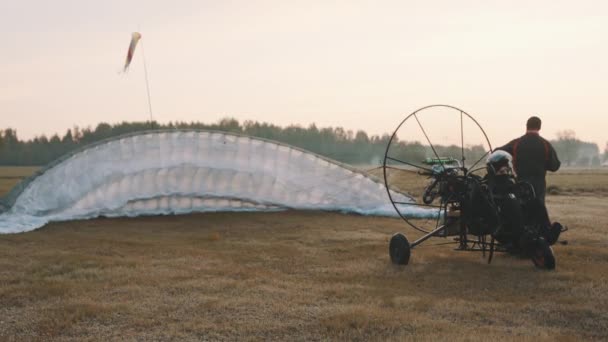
(543, 256)
(399, 249)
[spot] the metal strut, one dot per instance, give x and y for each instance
(429, 235)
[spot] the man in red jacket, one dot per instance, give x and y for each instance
(533, 156)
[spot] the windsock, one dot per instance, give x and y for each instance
(135, 37)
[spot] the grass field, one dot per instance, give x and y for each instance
(298, 276)
(10, 176)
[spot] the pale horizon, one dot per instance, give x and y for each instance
(360, 65)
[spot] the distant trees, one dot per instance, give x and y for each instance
(10, 146)
(574, 152)
(334, 142)
(605, 159)
(566, 146)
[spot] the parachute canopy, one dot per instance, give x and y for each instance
(174, 172)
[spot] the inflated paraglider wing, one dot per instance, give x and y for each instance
(174, 172)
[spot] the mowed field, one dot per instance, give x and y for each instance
(299, 276)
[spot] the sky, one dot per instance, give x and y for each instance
(361, 65)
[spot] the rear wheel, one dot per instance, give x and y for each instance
(399, 249)
(543, 256)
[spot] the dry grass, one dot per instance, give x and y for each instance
(294, 276)
(10, 176)
(578, 182)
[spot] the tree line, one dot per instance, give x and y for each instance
(356, 148)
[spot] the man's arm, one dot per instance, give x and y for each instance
(553, 162)
(508, 147)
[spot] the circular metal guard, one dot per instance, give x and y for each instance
(436, 139)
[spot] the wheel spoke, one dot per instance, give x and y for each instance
(439, 217)
(410, 164)
(480, 159)
(429, 141)
(419, 204)
(477, 169)
(399, 169)
(462, 139)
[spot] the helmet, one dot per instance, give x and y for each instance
(500, 163)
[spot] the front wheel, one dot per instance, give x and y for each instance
(543, 256)
(399, 249)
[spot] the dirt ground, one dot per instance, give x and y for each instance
(298, 276)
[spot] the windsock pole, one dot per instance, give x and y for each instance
(147, 83)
